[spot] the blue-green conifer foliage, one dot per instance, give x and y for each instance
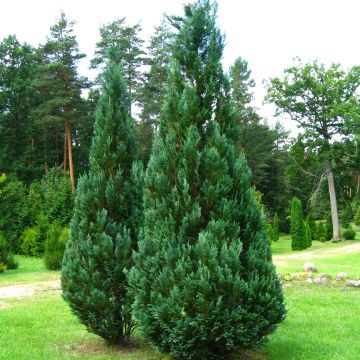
(204, 282)
(107, 218)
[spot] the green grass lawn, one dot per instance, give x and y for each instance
(30, 270)
(322, 321)
(288, 261)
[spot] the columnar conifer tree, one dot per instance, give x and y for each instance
(298, 241)
(276, 227)
(204, 281)
(106, 222)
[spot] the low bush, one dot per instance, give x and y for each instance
(55, 246)
(7, 260)
(33, 238)
(349, 233)
(357, 216)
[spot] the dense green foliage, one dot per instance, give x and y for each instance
(276, 227)
(107, 220)
(56, 239)
(298, 237)
(349, 233)
(204, 282)
(7, 260)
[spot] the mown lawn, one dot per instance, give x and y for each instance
(30, 270)
(322, 321)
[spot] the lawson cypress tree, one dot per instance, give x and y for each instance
(107, 217)
(298, 239)
(203, 280)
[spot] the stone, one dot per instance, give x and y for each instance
(309, 266)
(325, 276)
(353, 283)
(319, 281)
(310, 280)
(341, 276)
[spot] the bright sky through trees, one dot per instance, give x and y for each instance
(267, 33)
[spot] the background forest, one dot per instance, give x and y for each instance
(47, 112)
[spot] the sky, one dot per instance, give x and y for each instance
(267, 33)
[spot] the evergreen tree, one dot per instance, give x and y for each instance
(18, 155)
(298, 241)
(152, 92)
(204, 282)
(57, 88)
(311, 221)
(307, 234)
(126, 45)
(276, 227)
(107, 218)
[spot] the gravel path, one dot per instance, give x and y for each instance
(19, 291)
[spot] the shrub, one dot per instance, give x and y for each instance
(349, 233)
(6, 257)
(33, 238)
(357, 216)
(308, 234)
(12, 222)
(310, 219)
(328, 228)
(320, 231)
(276, 227)
(346, 216)
(55, 243)
(58, 199)
(2, 267)
(270, 232)
(298, 240)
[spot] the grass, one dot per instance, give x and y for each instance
(322, 322)
(30, 270)
(288, 261)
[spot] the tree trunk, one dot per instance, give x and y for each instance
(333, 202)
(71, 169)
(65, 150)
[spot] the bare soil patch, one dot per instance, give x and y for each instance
(19, 291)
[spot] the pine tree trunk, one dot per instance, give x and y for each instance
(65, 150)
(333, 202)
(71, 169)
(45, 152)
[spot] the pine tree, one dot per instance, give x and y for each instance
(126, 45)
(298, 241)
(57, 87)
(17, 134)
(106, 222)
(152, 92)
(204, 282)
(276, 227)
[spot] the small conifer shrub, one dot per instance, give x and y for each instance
(298, 239)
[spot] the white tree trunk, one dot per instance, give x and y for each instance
(333, 202)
